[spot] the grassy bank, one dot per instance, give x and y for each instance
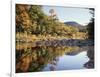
(22, 37)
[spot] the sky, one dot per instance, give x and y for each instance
(64, 14)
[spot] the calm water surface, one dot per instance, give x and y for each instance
(33, 59)
(68, 62)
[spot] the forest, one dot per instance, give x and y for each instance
(32, 25)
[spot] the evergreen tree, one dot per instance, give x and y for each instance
(90, 26)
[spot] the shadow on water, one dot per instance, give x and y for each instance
(30, 58)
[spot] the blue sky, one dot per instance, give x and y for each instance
(80, 15)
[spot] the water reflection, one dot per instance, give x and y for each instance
(90, 54)
(32, 59)
(69, 62)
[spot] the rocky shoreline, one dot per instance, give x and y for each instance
(64, 42)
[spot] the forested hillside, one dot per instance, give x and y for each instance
(32, 24)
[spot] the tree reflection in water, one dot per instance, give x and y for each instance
(90, 54)
(33, 59)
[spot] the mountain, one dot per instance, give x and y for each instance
(75, 24)
(72, 23)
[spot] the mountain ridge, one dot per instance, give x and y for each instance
(75, 24)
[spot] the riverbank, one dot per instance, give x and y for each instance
(28, 38)
(63, 42)
(66, 42)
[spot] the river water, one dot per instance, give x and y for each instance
(47, 58)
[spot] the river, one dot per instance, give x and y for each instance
(50, 58)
